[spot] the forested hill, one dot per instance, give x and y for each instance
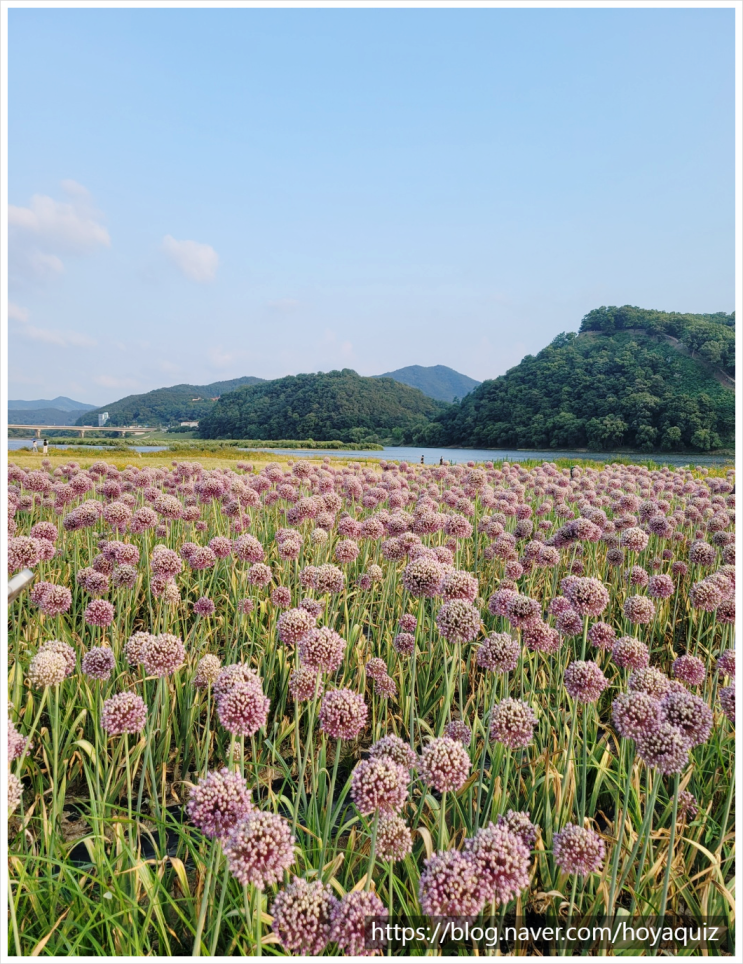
(179, 403)
(332, 405)
(436, 381)
(628, 380)
(711, 338)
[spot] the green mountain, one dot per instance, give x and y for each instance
(631, 378)
(61, 403)
(332, 405)
(179, 403)
(44, 416)
(436, 381)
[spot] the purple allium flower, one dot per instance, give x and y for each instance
(512, 723)
(248, 549)
(204, 607)
(163, 655)
(330, 579)
(661, 586)
(313, 606)
(394, 748)
(540, 637)
(322, 649)
(394, 840)
(99, 662)
(705, 595)
(385, 687)
(727, 702)
(499, 653)
(17, 744)
(379, 783)
(726, 612)
(348, 921)
(207, 671)
(233, 674)
(726, 663)
(124, 713)
(404, 644)
(451, 886)
(602, 635)
(584, 681)
(444, 764)
(635, 714)
(422, 577)
(243, 710)
(664, 747)
(634, 539)
(518, 822)
(304, 684)
(135, 647)
(522, 610)
(15, 793)
(281, 597)
(376, 668)
(689, 669)
(651, 681)
(502, 859)
(498, 602)
(99, 612)
(639, 609)
(246, 606)
(259, 575)
(343, 714)
(589, 597)
(559, 605)
(459, 621)
(301, 916)
(259, 849)
(47, 668)
(294, 625)
(407, 623)
(569, 623)
(688, 713)
(458, 730)
(631, 653)
(218, 802)
(578, 850)
(687, 805)
(459, 584)
(638, 576)
(702, 554)
(66, 651)
(124, 576)
(165, 563)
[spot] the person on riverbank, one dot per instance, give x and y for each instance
(35, 447)
(45, 447)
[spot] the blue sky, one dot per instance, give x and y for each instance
(202, 194)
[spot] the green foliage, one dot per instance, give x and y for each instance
(602, 390)
(712, 337)
(179, 403)
(333, 405)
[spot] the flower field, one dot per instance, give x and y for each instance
(251, 708)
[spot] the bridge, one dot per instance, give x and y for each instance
(82, 429)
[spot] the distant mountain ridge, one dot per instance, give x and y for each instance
(43, 416)
(187, 403)
(61, 403)
(437, 381)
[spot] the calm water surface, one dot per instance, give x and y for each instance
(431, 456)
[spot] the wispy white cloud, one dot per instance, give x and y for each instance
(223, 359)
(17, 312)
(196, 261)
(40, 233)
(51, 336)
